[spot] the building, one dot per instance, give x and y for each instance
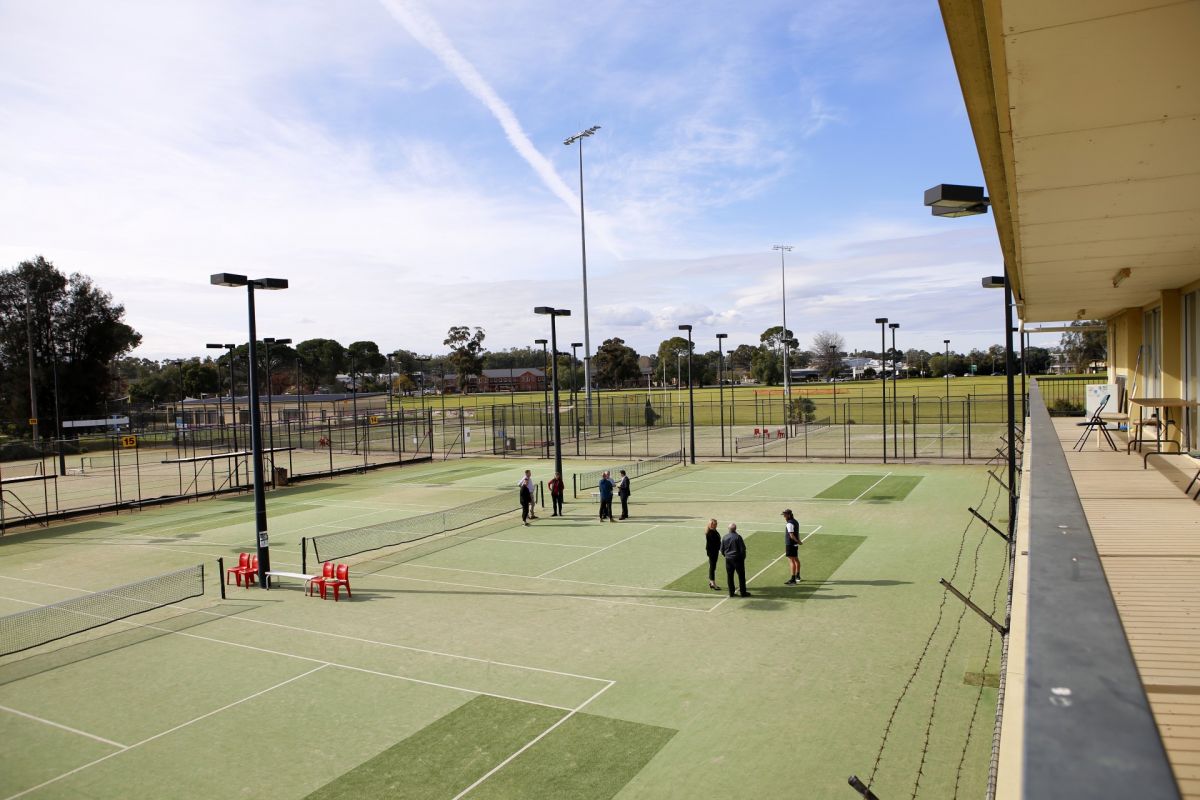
(520, 379)
(1086, 119)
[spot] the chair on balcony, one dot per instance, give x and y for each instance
(1096, 423)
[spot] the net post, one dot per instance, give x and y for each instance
(574, 486)
(542, 492)
(220, 574)
(304, 554)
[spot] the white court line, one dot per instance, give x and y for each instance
(756, 483)
(547, 544)
(531, 742)
(601, 550)
(869, 488)
(53, 724)
(160, 735)
(750, 580)
(342, 635)
(416, 565)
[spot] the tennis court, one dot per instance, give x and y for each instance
(571, 658)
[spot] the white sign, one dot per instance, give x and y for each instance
(1095, 393)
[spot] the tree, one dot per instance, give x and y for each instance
(766, 367)
(466, 353)
(364, 358)
(1037, 360)
(321, 360)
(75, 331)
(742, 357)
(615, 364)
(775, 337)
(827, 353)
(1082, 347)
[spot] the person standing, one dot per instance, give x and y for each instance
(791, 545)
(556, 488)
(526, 490)
(606, 495)
(623, 493)
(712, 546)
(733, 547)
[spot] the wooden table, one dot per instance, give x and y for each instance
(1163, 403)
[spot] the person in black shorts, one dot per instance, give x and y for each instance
(791, 546)
(712, 546)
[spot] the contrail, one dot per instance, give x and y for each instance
(426, 31)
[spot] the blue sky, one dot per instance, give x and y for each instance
(401, 163)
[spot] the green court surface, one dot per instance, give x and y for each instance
(571, 658)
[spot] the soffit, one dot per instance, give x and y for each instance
(1104, 105)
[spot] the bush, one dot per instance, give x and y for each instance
(1062, 407)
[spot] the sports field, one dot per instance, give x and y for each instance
(567, 659)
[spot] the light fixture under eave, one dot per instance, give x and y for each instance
(1121, 275)
(952, 200)
(1081, 313)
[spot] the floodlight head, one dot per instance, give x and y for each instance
(945, 341)
(543, 310)
(893, 325)
(227, 279)
(214, 346)
(881, 320)
(952, 200)
(540, 341)
(283, 341)
(270, 284)
(687, 328)
(722, 335)
(993, 282)
(576, 344)
(785, 247)
(581, 135)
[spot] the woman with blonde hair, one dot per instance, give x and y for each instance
(712, 546)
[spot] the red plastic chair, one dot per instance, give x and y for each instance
(327, 573)
(756, 431)
(340, 579)
(239, 570)
(249, 572)
(779, 433)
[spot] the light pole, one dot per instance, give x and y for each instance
(425, 429)
(787, 374)
(691, 399)
(555, 312)
(999, 282)
(545, 389)
(574, 390)
(33, 409)
(299, 405)
(895, 416)
(260, 500)
(587, 342)
(882, 322)
(179, 422)
(268, 341)
(232, 404)
(721, 337)
(946, 370)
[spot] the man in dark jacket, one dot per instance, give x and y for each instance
(606, 494)
(623, 493)
(733, 547)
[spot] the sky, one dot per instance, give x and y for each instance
(402, 164)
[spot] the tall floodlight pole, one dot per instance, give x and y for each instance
(882, 322)
(268, 341)
(691, 400)
(721, 337)
(260, 499)
(232, 404)
(554, 313)
(787, 373)
(33, 411)
(178, 362)
(946, 370)
(575, 390)
(587, 341)
(545, 391)
(299, 405)
(895, 416)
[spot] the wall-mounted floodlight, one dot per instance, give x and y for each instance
(952, 200)
(993, 282)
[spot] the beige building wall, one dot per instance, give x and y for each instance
(1172, 343)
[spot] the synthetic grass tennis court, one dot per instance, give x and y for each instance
(571, 658)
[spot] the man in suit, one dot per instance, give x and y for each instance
(733, 547)
(623, 493)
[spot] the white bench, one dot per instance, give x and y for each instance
(300, 576)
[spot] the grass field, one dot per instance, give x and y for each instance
(571, 658)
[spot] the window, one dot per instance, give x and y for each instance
(1151, 369)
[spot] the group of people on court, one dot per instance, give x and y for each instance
(733, 547)
(527, 491)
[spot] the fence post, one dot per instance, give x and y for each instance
(329, 444)
(221, 575)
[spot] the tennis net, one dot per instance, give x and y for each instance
(45, 624)
(635, 469)
(334, 546)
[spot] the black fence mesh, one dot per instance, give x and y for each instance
(635, 469)
(334, 546)
(44, 624)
